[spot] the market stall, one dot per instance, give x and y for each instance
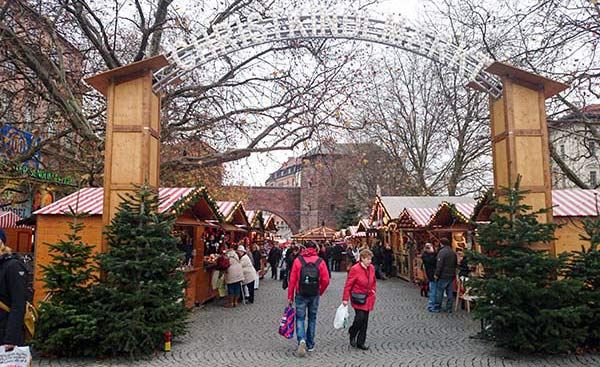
(235, 222)
(18, 237)
(571, 207)
(193, 207)
(318, 234)
(411, 235)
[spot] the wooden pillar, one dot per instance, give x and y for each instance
(520, 135)
(132, 150)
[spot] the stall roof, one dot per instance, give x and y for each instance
(229, 209)
(575, 202)
(394, 205)
(270, 223)
(9, 220)
(318, 234)
(254, 218)
(566, 203)
(421, 216)
(447, 212)
(90, 200)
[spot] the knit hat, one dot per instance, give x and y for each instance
(310, 244)
(2, 236)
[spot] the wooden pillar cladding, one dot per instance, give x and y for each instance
(132, 149)
(520, 135)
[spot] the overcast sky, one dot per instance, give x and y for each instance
(256, 169)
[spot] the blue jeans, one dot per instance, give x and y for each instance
(303, 333)
(432, 286)
(444, 285)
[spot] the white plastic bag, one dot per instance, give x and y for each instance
(18, 357)
(256, 281)
(341, 317)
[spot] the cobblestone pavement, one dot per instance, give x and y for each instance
(401, 333)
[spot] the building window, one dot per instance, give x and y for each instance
(309, 208)
(562, 151)
(592, 146)
(593, 178)
(332, 207)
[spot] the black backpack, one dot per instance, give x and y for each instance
(309, 278)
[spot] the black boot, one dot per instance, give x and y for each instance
(363, 347)
(352, 341)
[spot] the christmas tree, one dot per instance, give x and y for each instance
(66, 326)
(585, 268)
(528, 309)
(141, 294)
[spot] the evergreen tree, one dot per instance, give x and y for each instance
(141, 295)
(348, 216)
(66, 326)
(585, 268)
(526, 307)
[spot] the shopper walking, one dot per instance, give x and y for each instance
(309, 279)
(12, 294)
(360, 289)
(429, 259)
(445, 272)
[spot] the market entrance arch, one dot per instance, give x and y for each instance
(517, 108)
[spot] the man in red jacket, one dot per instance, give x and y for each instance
(309, 279)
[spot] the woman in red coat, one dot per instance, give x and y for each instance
(360, 283)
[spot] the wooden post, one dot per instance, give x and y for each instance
(520, 136)
(132, 150)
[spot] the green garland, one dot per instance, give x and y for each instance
(199, 192)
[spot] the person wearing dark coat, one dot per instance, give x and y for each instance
(13, 295)
(445, 272)
(291, 255)
(377, 250)
(337, 256)
(429, 259)
(273, 259)
(256, 257)
(388, 260)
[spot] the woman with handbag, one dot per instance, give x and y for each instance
(360, 291)
(12, 295)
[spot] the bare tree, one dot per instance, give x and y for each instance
(257, 100)
(558, 39)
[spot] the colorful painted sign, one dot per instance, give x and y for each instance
(16, 142)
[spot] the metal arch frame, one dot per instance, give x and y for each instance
(324, 24)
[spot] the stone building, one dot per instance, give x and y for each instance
(574, 143)
(335, 179)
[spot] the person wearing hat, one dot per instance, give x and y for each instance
(12, 294)
(248, 270)
(309, 278)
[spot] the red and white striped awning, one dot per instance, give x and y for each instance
(9, 220)
(90, 200)
(251, 214)
(227, 207)
(466, 209)
(575, 202)
(421, 215)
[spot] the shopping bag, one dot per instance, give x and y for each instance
(341, 317)
(286, 326)
(214, 281)
(246, 291)
(256, 281)
(222, 288)
(18, 357)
